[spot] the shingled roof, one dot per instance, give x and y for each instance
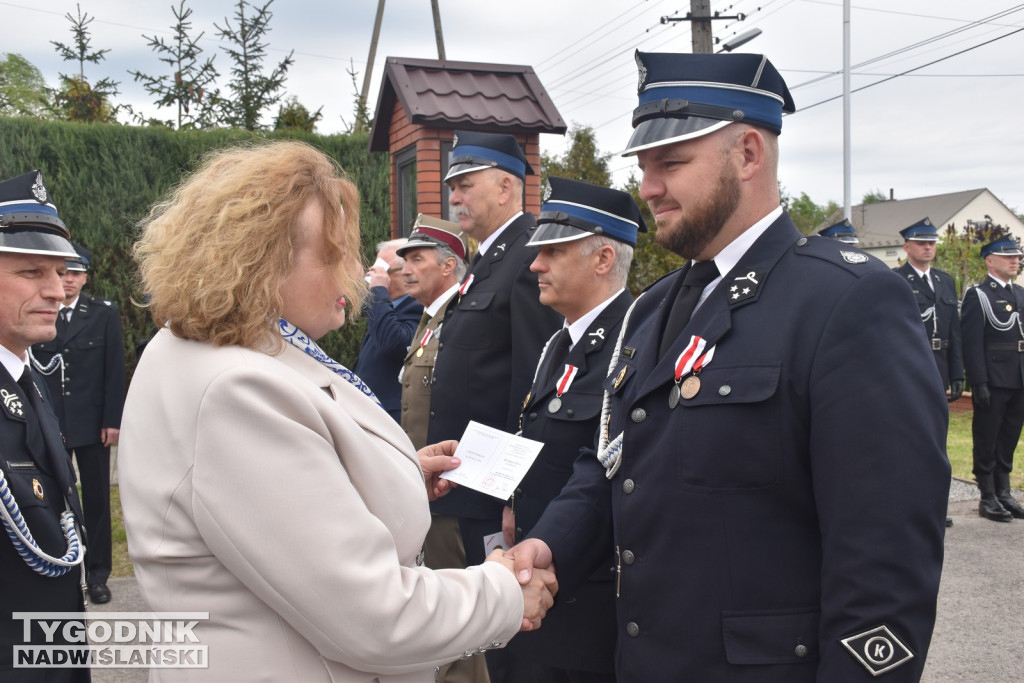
(500, 98)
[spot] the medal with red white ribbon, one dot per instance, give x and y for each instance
(562, 386)
(689, 360)
(423, 342)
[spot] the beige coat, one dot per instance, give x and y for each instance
(269, 492)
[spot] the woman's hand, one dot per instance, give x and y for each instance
(435, 459)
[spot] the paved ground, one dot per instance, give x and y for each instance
(979, 632)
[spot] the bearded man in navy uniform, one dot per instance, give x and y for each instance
(585, 239)
(994, 355)
(772, 469)
(40, 571)
(84, 373)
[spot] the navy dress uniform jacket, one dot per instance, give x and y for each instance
(796, 500)
(94, 374)
(579, 634)
(390, 328)
(991, 356)
(942, 330)
(487, 352)
(47, 462)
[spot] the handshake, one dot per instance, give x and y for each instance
(531, 563)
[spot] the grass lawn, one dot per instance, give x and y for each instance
(958, 445)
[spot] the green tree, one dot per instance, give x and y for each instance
(292, 115)
(582, 161)
(22, 88)
(362, 122)
(959, 251)
(808, 216)
(874, 197)
(187, 87)
(251, 90)
(77, 99)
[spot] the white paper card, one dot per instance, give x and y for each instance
(493, 461)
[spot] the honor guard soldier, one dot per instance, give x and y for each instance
(772, 453)
(42, 550)
(993, 339)
(83, 367)
(492, 339)
(842, 231)
(585, 238)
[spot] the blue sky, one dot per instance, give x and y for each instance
(946, 127)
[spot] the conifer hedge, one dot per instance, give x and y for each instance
(103, 179)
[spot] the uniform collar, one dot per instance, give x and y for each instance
(493, 237)
(580, 327)
(440, 301)
(12, 363)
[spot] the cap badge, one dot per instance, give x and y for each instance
(38, 190)
(853, 257)
(13, 404)
(546, 192)
(878, 650)
(642, 72)
(455, 140)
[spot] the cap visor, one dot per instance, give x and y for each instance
(666, 131)
(460, 169)
(32, 242)
(552, 233)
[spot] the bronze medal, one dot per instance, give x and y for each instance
(419, 352)
(690, 387)
(673, 396)
(554, 404)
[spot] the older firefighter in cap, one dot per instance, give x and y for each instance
(41, 557)
(83, 367)
(772, 466)
(585, 239)
(491, 341)
(842, 231)
(993, 339)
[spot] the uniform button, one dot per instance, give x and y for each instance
(569, 412)
(638, 415)
(472, 304)
(801, 242)
(533, 416)
(628, 557)
(67, 393)
(724, 390)
(633, 629)
(801, 651)
(440, 345)
(628, 486)
(431, 413)
(433, 379)
(518, 493)
(519, 531)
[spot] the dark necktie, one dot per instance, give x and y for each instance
(476, 260)
(558, 353)
(424, 321)
(696, 279)
(62, 321)
(33, 432)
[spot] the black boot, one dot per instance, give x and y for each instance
(1005, 497)
(990, 507)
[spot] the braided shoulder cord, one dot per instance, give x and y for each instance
(990, 315)
(610, 453)
(25, 544)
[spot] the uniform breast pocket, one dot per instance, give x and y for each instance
(480, 327)
(84, 343)
(729, 434)
(30, 486)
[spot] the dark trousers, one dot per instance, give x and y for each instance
(94, 469)
(996, 431)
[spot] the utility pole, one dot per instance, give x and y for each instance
(438, 35)
(700, 17)
(700, 28)
(369, 66)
